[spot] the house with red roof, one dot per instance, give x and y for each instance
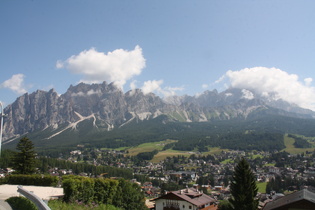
(186, 199)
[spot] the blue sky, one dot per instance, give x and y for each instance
(167, 47)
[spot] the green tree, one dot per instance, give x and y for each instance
(243, 187)
(276, 185)
(21, 203)
(129, 196)
(224, 205)
(6, 158)
(24, 160)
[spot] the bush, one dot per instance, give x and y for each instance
(224, 205)
(21, 203)
(120, 193)
(35, 179)
(60, 205)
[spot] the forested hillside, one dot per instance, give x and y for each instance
(254, 133)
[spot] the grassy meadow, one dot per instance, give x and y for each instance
(149, 147)
(162, 154)
(290, 148)
(262, 187)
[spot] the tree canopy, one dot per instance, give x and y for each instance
(243, 187)
(24, 159)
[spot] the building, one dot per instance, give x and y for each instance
(186, 199)
(184, 175)
(301, 200)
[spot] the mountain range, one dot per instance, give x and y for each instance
(47, 116)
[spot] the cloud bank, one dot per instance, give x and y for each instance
(267, 81)
(117, 66)
(15, 83)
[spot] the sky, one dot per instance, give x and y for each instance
(167, 47)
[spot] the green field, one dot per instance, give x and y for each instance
(214, 151)
(117, 149)
(256, 156)
(169, 153)
(270, 164)
(310, 139)
(148, 147)
(290, 148)
(262, 187)
(227, 161)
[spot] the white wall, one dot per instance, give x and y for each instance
(159, 204)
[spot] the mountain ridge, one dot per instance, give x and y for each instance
(110, 108)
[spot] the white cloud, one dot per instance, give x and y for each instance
(276, 82)
(15, 83)
(151, 86)
(94, 92)
(247, 94)
(133, 85)
(154, 86)
(171, 91)
(308, 81)
(78, 94)
(88, 93)
(117, 66)
(197, 95)
(59, 65)
(220, 79)
(205, 86)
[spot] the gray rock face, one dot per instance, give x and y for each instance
(110, 107)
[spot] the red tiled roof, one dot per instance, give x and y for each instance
(190, 195)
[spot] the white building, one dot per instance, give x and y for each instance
(187, 199)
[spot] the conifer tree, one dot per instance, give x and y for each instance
(24, 159)
(243, 188)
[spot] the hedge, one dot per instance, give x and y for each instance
(35, 179)
(120, 193)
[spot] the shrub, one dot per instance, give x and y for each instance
(35, 179)
(120, 193)
(20, 203)
(60, 205)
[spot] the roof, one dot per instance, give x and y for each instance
(292, 198)
(190, 195)
(183, 172)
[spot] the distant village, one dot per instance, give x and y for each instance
(202, 174)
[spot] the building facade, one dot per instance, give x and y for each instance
(186, 199)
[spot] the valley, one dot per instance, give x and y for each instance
(99, 131)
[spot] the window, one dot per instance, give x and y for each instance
(183, 206)
(189, 207)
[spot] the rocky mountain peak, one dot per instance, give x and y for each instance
(108, 107)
